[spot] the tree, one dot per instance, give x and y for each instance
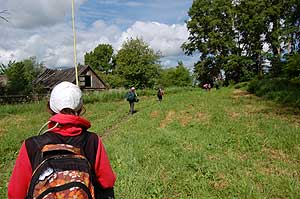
(3, 68)
(101, 58)
(21, 75)
(284, 37)
(292, 67)
(206, 70)
(293, 26)
(175, 76)
(235, 32)
(137, 63)
(250, 24)
(212, 34)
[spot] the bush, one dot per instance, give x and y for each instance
(280, 90)
(241, 85)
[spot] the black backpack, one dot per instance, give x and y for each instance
(62, 168)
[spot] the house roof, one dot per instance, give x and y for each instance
(51, 77)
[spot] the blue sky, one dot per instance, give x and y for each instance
(125, 13)
(43, 28)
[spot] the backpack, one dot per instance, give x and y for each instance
(63, 171)
(130, 97)
(160, 93)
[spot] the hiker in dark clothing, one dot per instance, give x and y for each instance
(132, 98)
(207, 86)
(160, 94)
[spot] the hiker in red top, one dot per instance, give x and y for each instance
(65, 127)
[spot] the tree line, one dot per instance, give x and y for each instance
(135, 64)
(20, 76)
(244, 39)
(238, 40)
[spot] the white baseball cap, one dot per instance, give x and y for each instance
(66, 95)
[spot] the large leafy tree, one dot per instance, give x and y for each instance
(230, 35)
(276, 31)
(293, 26)
(137, 63)
(212, 34)
(250, 26)
(101, 58)
(210, 28)
(207, 70)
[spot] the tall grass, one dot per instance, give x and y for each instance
(195, 144)
(279, 90)
(120, 94)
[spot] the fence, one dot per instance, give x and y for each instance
(19, 99)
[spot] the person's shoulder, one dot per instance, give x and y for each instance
(92, 136)
(37, 140)
(34, 137)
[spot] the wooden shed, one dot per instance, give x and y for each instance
(88, 79)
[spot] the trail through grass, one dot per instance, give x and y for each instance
(195, 144)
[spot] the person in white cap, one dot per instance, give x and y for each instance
(66, 127)
(132, 98)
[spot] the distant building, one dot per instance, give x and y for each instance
(88, 79)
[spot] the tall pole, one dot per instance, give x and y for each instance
(74, 43)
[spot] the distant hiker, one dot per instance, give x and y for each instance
(66, 160)
(132, 98)
(160, 94)
(207, 86)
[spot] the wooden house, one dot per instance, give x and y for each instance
(88, 79)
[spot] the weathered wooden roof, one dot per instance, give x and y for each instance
(51, 77)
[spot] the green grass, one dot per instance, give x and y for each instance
(195, 144)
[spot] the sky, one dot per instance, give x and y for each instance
(43, 29)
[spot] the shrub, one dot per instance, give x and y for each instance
(280, 90)
(241, 85)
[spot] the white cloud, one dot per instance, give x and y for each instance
(53, 45)
(121, 2)
(33, 13)
(160, 37)
(134, 4)
(6, 55)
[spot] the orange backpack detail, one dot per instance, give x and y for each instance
(63, 173)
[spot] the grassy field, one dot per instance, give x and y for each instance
(195, 144)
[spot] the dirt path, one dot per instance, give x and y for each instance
(115, 125)
(120, 121)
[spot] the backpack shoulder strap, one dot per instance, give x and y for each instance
(91, 147)
(34, 147)
(87, 142)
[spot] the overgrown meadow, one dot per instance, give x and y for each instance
(195, 144)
